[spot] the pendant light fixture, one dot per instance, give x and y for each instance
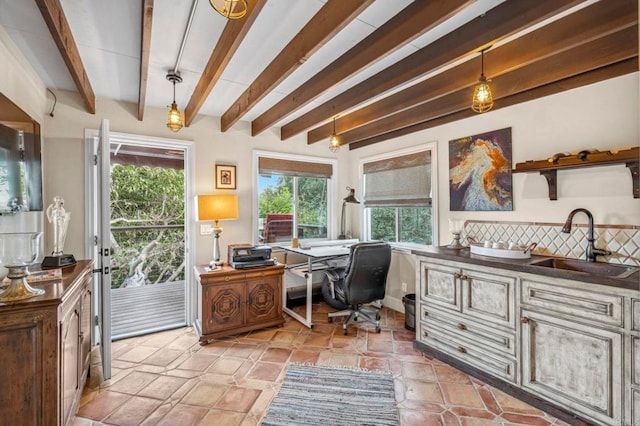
(482, 97)
(334, 142)
(174, 121)
(230, 9)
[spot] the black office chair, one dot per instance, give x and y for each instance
(362, 281)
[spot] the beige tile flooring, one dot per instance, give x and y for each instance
(168, 378)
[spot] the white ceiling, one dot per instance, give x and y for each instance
(107, 33)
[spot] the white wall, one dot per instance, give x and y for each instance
(603, 115)
(64, 153)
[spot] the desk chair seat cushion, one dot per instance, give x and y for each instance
(332, 290)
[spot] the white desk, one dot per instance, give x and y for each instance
(317, 257)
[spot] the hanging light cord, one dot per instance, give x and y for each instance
(55, 101)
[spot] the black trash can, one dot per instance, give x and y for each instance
(409, 301)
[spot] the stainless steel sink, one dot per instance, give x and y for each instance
(595, 268)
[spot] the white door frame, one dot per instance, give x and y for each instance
(189, 162)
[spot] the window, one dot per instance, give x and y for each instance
(293, 197)
(399, 196)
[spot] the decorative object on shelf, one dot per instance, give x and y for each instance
(351, 199)
(630, 157)
(334, 142)
(17, 252)
(480, 172)
(230, 9)
(217, 207)
(455, 227)
(59, 218)
(482, 96)
(225, 177)
(174, 121)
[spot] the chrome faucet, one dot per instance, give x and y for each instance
(592, 250)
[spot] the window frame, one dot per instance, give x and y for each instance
(332, 187)
(365, 213)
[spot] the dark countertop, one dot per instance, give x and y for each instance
(525, 265)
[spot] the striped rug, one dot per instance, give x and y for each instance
(321, 395)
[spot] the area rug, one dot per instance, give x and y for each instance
(321, 395)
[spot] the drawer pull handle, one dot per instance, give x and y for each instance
(462, 326)
(457, 275)
(463, 277)
(462, 350)
(227, 278)
(426, 314)
(525, 320)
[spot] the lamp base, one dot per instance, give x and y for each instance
(18, 288)
(58, 261)
(455, 244)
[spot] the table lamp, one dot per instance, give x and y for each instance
(455, 227)
(351, 199)
(217, 207)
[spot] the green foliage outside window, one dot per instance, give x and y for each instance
(146, 196)
(414, 224)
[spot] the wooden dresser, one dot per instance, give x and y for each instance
(232, 301)
(45, 345)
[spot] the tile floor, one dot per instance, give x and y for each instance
(168, 378)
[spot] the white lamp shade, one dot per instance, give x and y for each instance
(217, 207)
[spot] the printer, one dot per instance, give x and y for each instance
(242, 257)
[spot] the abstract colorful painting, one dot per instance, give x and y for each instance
(480, 172)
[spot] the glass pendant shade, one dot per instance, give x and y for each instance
(230, 9)
(174, 121)
(334, 142)
(482, 96)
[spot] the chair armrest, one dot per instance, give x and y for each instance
(335, 274)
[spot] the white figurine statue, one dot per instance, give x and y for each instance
(59, 217)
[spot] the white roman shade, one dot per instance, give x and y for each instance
(398, 181)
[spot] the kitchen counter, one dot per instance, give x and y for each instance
(525, 265)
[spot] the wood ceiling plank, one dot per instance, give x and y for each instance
(234, 32)
(610, 71)
(483, 31)
(585, 25)
(601, 52)
(58, 25)
(323, 26)
(145, 49)
(411, 22)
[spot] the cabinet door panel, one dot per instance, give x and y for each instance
(225, 307)
(263, 299)
(85, 328)
(635, 314)
(575, 364)
(70, 352)
(440, 285)
(635, 407)
(635, 360)
(489, 297)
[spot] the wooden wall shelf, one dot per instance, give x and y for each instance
(549, 168)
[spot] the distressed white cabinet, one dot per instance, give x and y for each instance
(573, 344)
(469, 313)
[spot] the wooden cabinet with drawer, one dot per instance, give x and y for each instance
(469, 314)
(232, 301)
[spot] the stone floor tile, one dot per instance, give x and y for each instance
(162, 387)
(303, 356)
(183, 415)
(524, 419)
(448, 374)
(513, 405)
(458, 394)
(204, 394)
(419, 371)
(284, 337)
(419, 418)
(225, 366)
(163, 357)
(473, 421)
(374, 364)
(450, 419)
(423, 391)
(222, 418)
(238, 399)
(137, 353)
(319, 340)
(269, 371)
(276, 355)
(102, 405)
(382, 346)
(133, 383)
(133, 412)
(198, 362)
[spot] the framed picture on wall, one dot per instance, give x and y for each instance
(225, 177)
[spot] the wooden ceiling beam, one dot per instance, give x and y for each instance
(613, 48)
(58, 25)
(413, 21)
(323, 26)
(618, 69)
(583, 26)
(145, 49)
(483, 31)
(234, 32)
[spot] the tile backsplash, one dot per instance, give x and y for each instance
(623, 241)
